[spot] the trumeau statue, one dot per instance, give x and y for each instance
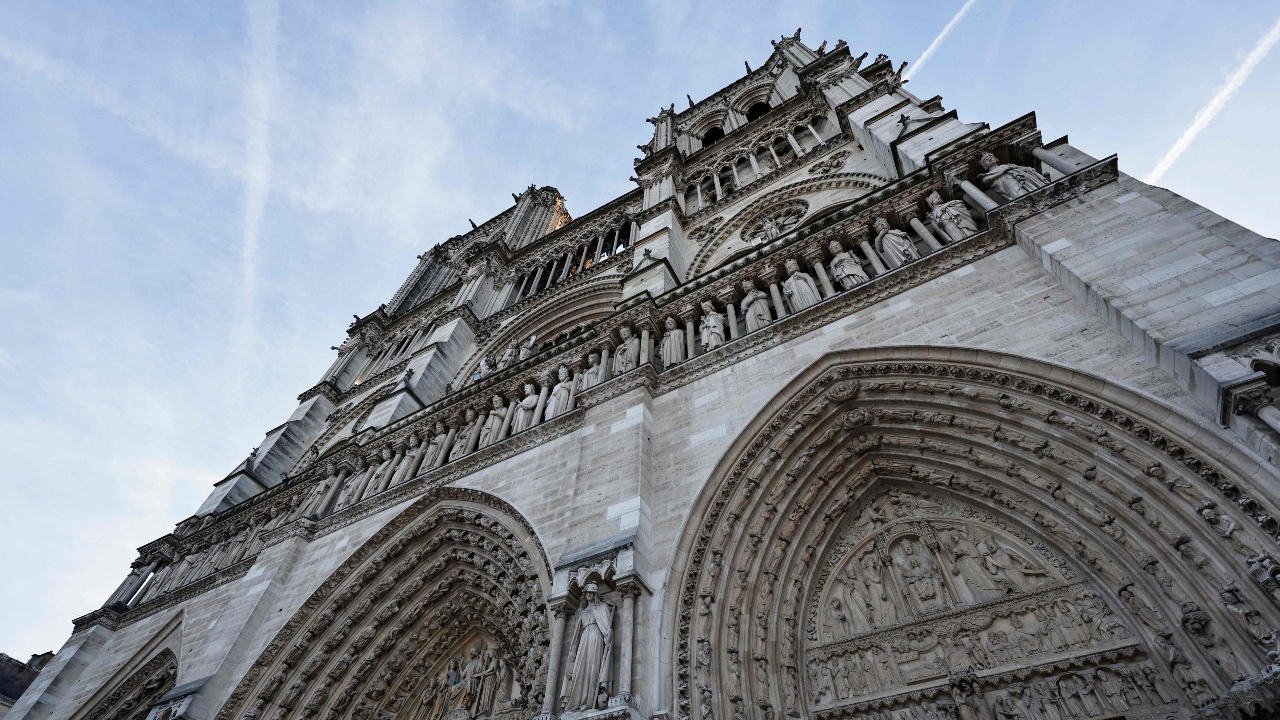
(524, 410)
(895, 246)
(558, 400)
(628, 352)
(755, 307)
(591, 376)
(493, 423)
(672, 346)
(799, 287)
(951, 218)
(711, 327)
(1010, 181)
(845, 269)
(590, 651)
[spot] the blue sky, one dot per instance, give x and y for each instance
(197, 196)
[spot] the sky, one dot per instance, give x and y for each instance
(196, 197)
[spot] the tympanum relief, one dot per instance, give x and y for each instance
(476, 682)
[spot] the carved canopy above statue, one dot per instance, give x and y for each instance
(440, 614)
(978, 536)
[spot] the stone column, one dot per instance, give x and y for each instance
(795, 145)
(924, 233)
(755, 165)
(473, 437)
(824, 283)
(506, 421)
(545, 382)
(690, 327)
(771, 276)
(606, 371)
(415, 461)
(374, 462)
(729, 296)
(338, 481)
(553, 662)
(129, 596)
(874, 257)
(1062, 165)
(137, 575)
(983, 200)
(599, 249)
(646, 354)
(626, 626)
(443, 456)
(396, 459)
(573, 389)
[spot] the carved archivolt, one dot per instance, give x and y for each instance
(446, 600)
(988, 538)
(133, 698)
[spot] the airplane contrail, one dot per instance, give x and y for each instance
(933, 46)
(1211, 109)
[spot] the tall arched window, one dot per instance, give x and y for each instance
(712, 136)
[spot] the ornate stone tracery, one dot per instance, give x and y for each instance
(442, 610)
(908, 537)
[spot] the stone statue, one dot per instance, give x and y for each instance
(1244, 614)
(967, 563)
(883, 610)
(894, 246)
(1010, 181)
(920, 577)
(627, 355)
(1010, 566)
(672, 348)
(769, 228)
(488, 684)
(459, 448)
(951, 218)
(755, 307)
(558, 401)
(711, 327)
(590, 651)
(591, 376)
(526, 348)
(524, 410)
(353, 481)
(800, 289)
(484, 369)
(847, 271)
(435, 445)
(492, 423)
(472, 678)
(509, 356)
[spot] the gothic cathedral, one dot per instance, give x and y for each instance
(850, 410)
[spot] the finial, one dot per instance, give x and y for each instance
(797, 35)
(744, 62)
(473, 224)
(689, 99)
(822, 49)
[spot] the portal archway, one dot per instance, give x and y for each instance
(916, 533)
(442, 609)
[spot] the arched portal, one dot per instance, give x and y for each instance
(920, 533)
(442, 610)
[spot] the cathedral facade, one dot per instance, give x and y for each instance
(849, 410)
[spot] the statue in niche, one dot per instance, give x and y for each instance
(526, 348)
(509, 356)
(1010, 181)
(799, 287)
(845, 268)
(883, 609)
(920, 579)
(857, 600)
(1006, 709)
(484, 369)
(627, 354)
(769, 228)
(459, 448)
(558, 400)
(492, 423)
(590, 651)
(524, 410)
(951, 218)
(755, 307)
(967, 563)
(473, 677)
(895, 246)
(1010, 566)
(1183, 672)
(711, 327)
(435, 445)
(837, 620)
(671, 347)
(353, 481)
(1244, 613)
(591, 376)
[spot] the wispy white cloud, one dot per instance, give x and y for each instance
(933, 46)
(1217, 102)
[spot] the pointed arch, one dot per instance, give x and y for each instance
(459, 572)
(132, 698)
(967, 509)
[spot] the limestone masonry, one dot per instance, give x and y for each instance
(849, 410)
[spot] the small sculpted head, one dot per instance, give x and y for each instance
(988, 161)
(707, 307)
(625, 332)
(528, 389)
(497, 402)
(934, 199)
(882, 225)
(793, 266)
(594, 359)
(563, 373)
(471, 415)
(747, 286)
(440, 430)
(834, 247)
(670, 323)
